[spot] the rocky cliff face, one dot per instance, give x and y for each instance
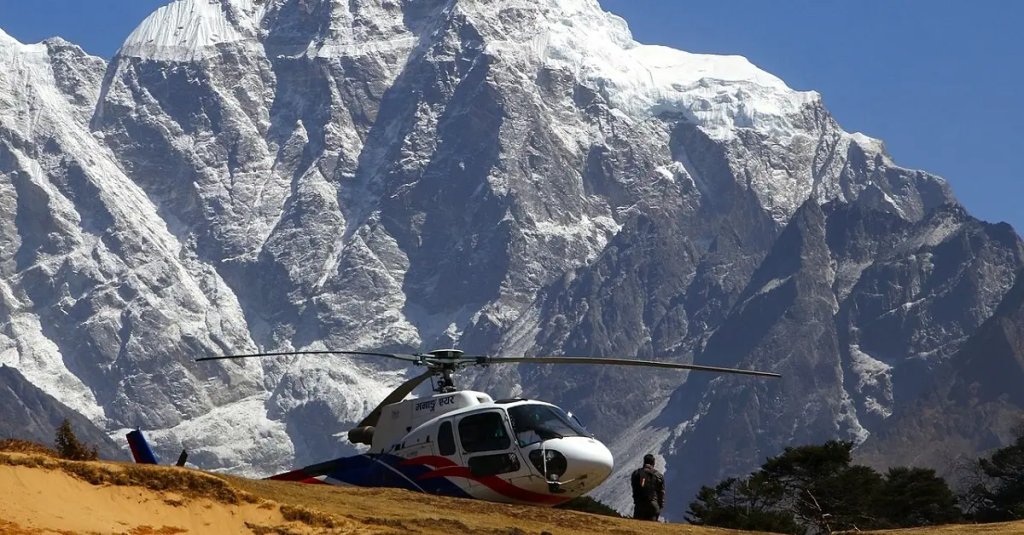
(101, 304)
(28, 413)
(853, 351)
(509, 177)
(971, 403)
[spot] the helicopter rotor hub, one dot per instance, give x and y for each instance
(446, 354)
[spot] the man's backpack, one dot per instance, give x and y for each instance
(645, 486)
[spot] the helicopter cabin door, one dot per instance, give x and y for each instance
(486, 447)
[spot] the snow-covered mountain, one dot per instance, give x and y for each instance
(516, 177)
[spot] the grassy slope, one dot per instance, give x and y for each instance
(104, 497)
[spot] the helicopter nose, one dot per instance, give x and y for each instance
(588, 460)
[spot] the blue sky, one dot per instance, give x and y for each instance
(939, 81)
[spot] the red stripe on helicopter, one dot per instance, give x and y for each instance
(445, 467)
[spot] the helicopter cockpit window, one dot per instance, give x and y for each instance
(533, 423)
(483, 432)
(445, 439)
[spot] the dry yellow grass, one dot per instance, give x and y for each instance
(1001, 528)
(43, 494)
(410, 512)
(13, 445)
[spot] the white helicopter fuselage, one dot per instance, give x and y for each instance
(466, 444)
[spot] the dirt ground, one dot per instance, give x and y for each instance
(43, 494)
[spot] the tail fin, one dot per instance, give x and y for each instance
(140, 448)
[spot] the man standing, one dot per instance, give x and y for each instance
(648, 491)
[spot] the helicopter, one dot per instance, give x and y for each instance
(463, 443)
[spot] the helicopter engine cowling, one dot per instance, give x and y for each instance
(361, 435)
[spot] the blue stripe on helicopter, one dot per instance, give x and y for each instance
(376, 470)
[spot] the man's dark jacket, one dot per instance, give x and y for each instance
(648, 493)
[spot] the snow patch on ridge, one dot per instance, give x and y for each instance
(41, 362)
(259, 445)
(7, 40)
(721, 93)
(942, 232)
(868, 143)
(25, 67)
(874, 381)
(594, 232)
(771, 285)
(188, 30)
(402, 44)
(848, 416)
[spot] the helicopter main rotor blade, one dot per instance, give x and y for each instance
(623, 362)
(400, 356)
(395, 396)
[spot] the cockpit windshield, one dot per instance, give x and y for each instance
(533, 423)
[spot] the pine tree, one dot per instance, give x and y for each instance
(916, 497)
(748, 504)
(815, 489)
(1000, 496)
(69, 447)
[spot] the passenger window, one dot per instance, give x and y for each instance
(483, 432)
(446, 439)
(494, 464)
